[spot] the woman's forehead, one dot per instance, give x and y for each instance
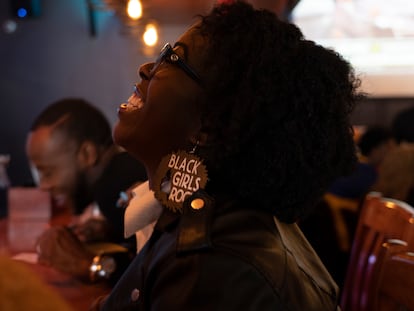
(192, 46)
(193, 42)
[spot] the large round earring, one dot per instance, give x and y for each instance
(178, 176)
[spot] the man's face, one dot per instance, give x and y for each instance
(54, 158)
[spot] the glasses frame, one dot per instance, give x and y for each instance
(167, 53)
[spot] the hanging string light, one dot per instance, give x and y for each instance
(134, 9)
(134, 22)
(150, 36)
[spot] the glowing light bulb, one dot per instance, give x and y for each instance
(134, 9)
(22, 12)
(150, 35)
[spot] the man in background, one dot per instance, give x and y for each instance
(396, 173)
(73, 157)
(331, 226)
(373, 146)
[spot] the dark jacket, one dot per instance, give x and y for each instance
(231, 258)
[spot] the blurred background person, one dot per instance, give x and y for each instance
(331, 226)
(396, 173)
(373, 145)
(71, 151)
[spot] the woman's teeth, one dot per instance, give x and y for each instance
(134, 102)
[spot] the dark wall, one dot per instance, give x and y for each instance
(54, 56)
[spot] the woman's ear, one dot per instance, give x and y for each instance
(88, 154)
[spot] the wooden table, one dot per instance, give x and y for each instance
(18, 234)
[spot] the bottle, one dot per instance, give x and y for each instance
(4, 185)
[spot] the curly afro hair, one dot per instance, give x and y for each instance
(276, 110)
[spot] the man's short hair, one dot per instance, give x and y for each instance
(77, 118)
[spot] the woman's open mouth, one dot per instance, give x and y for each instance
(134, 102)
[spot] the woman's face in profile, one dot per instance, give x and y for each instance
(162, 115)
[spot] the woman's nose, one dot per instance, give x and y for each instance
(144, 71)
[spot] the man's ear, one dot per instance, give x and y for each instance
(88, 154)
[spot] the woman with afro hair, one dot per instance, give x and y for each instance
(241, 125)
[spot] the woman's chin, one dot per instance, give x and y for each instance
(119, 136)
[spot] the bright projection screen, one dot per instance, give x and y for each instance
(376, 36)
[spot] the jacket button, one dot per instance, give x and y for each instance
(197, 203)
(135, 294)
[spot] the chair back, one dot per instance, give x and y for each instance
(394, 282)
(380, 219)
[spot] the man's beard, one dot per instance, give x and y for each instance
(82, 195)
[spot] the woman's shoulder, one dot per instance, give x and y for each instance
(240, 244)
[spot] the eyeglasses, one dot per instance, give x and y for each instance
(168, 54)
